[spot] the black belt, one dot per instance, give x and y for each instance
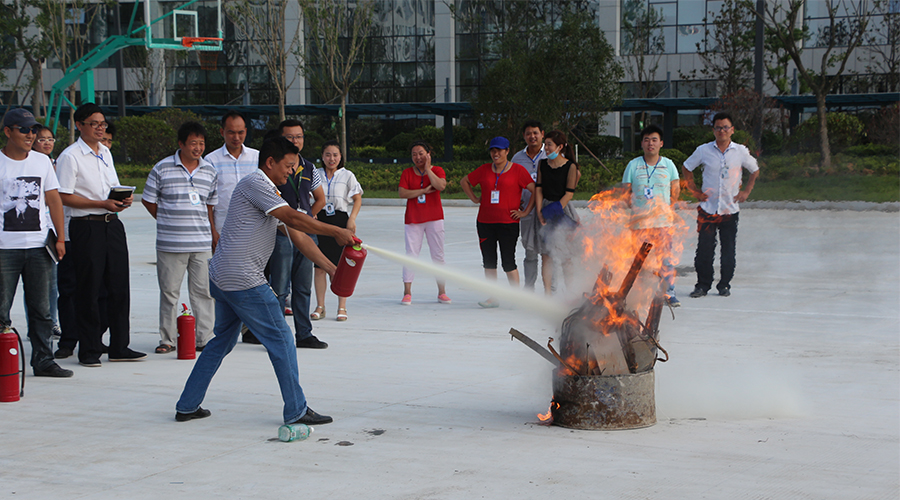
(103, 218)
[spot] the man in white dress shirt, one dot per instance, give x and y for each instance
(722, 161)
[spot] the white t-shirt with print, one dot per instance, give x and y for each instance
(23, 203)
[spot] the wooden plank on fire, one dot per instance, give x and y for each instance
(534, 346)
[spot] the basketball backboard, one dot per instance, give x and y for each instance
(180, 25)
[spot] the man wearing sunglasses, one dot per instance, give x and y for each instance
(99, 247)
(28, 187)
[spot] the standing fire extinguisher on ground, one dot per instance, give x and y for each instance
(10, 358)
(187, 334)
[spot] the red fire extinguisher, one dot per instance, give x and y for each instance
(348, 269)
(10, 356)
(187, 335)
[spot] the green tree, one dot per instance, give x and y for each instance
(568, 75)
(336, 33)
(727, 48)
(837, 40)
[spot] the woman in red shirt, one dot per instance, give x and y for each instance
(421, 186)
(501, 184)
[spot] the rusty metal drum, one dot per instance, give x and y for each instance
(614, 402)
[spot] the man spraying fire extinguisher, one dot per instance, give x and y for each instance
(241, 291)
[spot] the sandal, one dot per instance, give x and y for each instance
(341, 316)
(164, 349)
(319, 313)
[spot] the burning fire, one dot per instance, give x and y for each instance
(548, 417)
(630, 261)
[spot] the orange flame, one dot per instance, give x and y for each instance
(548, 417)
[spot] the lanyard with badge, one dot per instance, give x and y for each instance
(329, 207)
(421, 197)
(294, 181)
(193, 193)
(648, 189)
(495, 193)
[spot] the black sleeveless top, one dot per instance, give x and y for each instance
(553, 180)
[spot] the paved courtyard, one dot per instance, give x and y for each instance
(787, 389)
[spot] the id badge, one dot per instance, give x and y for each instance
(648, 192)
(194, 196)
(329, 209)
(421, 198)
(495, 197)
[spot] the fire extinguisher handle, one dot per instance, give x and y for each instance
(357, 240)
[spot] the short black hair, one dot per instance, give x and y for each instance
(86, 110)
(289, 123)
(271, 134)
(652, 129)
(423, 144)
(723, 115)
(234, 114)
(110, 128)
(532, 124)
(276, 148)
(188, 129)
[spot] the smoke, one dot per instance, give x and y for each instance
(693, 388)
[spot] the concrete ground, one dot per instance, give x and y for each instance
(787, 389)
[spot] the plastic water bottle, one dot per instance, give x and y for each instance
(294, 432)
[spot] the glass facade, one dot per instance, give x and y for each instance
(677, 26)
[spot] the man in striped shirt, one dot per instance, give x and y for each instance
(240, 288)
(181, 195)
(233, 161)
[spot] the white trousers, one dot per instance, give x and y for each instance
(415, 233)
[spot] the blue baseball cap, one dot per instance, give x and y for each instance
(19, 118)
(499, 143)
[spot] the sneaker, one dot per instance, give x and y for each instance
(489, 304)
(57, 332)
(249, 338)
(54, 370)
(673, 301)
(63, 353)
(311, 342)
(184, 417)
(443, 298)
(313, 418)
(128, 355)
(288, 311)
(406, 300)
(698, 292)
(725, 292)
(90, 363)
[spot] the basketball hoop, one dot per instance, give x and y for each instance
(207, 49)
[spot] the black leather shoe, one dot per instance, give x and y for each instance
(249, 338)
(128, 355)
(725, 292)
(91, 363)
(313, 418)
(63, 353)
(698, 292)
(311, 342)
(184, 417)
(104, 348)
(54, 370)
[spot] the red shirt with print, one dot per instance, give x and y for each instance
(431, 210)
(510, 184)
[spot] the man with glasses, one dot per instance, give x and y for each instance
(722, 161)
(28, 187)
(290, 269)
(99, 246)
